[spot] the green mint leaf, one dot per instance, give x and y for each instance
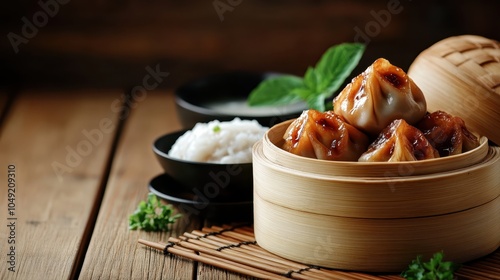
(336, 65)
(276, 91)
(329, 106)
(319, 83)
(313, 100)
(317, 102)
(312, 80)
(302, 92)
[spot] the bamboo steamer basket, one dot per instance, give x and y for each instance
(374, 224)
(377, 217)
(461, 75)
(293, 182)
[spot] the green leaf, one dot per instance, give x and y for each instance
(331, 71)
(329, 106)
(275, 91)
(436, 259)
(152, 215)
(429, 266)
(336, 65)
(317, 102)
(311, 80)
(302, 92)
(313, 100)
(319, 83)
(434, 269)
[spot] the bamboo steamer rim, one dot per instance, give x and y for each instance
(273, 140)
(461, 75)
(491, 158)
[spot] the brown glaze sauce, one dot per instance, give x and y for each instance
(396, 80)
(419, 144)
(327, 124)
(447, 134)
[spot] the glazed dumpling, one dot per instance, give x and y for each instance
(324, 136)
(400, 142)
(447, 133)
(379, 95)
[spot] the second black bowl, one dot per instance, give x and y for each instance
(223, 97)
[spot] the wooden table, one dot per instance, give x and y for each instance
(81, 161)
(81, 168)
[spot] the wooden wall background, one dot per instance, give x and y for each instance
(108, 43)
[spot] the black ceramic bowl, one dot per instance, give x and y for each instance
(212, 181)
(223, 97)
(192, 205)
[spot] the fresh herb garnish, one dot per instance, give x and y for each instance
(216, 128)
(318, 83)
(434, 269)
(152, 215)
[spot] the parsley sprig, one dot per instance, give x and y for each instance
(152, 215)
(434, 269)
(318, 84)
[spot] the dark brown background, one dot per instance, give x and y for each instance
(99, 43)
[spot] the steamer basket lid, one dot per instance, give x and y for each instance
(461, 75)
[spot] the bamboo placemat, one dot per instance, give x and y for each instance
(235, 249)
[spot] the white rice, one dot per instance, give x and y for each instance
(219, 142)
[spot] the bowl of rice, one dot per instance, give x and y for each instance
(212, 160)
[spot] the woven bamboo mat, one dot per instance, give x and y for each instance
(235, 249)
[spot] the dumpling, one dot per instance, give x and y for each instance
(400, 142)
(447, 133)
(379, 95)
(324, 136)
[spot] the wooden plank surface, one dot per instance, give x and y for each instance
(53, 207)
(114, 252)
